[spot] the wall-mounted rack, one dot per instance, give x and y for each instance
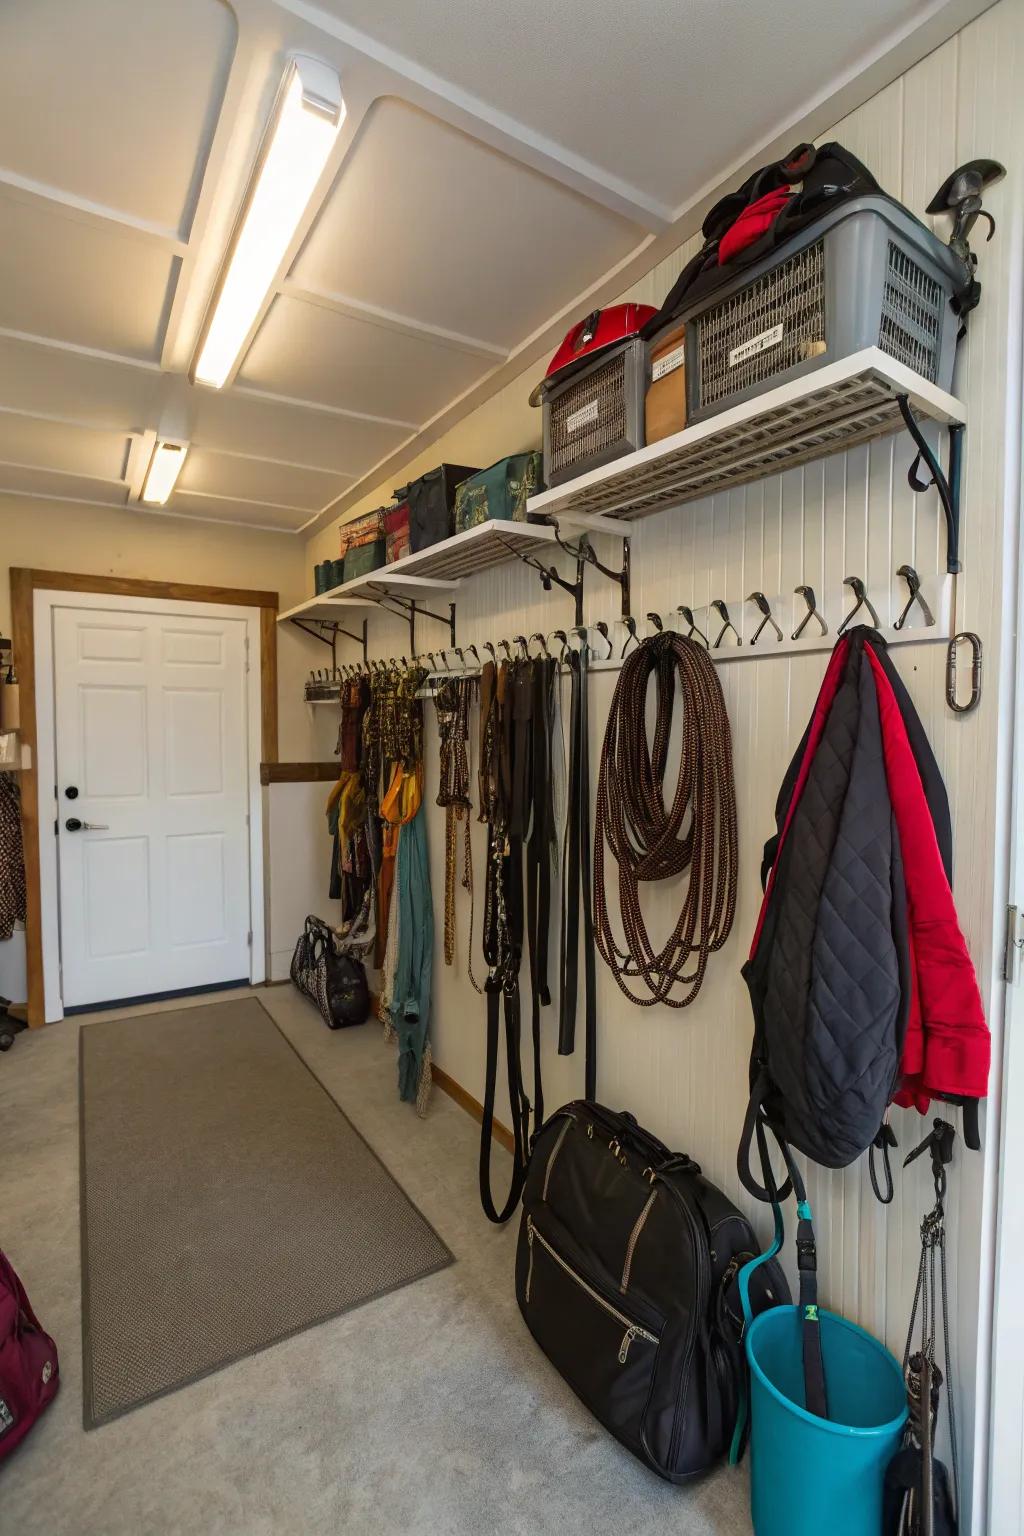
(864, 396)
(399, 588)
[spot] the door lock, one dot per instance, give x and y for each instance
(74, 825)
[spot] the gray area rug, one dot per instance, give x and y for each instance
(226, 1202)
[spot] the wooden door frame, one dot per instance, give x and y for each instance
(25, 582)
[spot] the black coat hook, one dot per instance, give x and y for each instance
(860, 592)
(602, 629)
(543, 641)
(630, 624)
(718, 604)
(807, 593)
(560, 634)
(687, 616)
(655, 619)
(763, 607)
(913, 582)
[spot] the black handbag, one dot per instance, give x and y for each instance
(431, 501)
(335, 981)
(626, 1276)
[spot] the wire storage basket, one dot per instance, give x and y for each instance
(596, 415)
(866, 275)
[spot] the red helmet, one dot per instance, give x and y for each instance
(602, 328)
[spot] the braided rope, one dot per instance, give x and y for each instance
(649, 840)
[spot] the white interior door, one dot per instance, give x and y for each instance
(152, 761)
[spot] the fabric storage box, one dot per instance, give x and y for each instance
(362, 530)
(431, 501)
(501, 491)
(362, 558)
(597, 415)
(396, 532)
(665, 401)
(866, 275)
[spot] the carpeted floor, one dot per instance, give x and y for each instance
(428, 1412)
(253, 1208)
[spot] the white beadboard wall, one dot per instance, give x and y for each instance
(684, 1073)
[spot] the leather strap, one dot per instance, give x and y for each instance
(577, 880)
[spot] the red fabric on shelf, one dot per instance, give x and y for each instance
(752, 223)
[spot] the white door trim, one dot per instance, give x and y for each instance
(44, 602)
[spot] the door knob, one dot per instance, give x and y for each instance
(74, 825)
(72, 791)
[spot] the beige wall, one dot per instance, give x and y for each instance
(106, 542)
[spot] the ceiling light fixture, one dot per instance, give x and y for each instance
(164, 469)
(304, 124)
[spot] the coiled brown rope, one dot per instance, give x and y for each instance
(651, 841)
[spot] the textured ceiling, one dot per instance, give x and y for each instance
(499, 166)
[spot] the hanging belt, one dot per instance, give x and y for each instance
(507, 744)
(576, 883)
(538, 866)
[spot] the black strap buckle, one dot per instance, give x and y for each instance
(806, 1253)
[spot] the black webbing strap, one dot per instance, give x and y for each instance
(815, 1397)
(517, 1098)
(756, 1127)
(577, 884)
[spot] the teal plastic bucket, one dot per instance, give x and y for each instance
(811, 1475)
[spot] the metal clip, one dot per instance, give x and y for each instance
(974, 641)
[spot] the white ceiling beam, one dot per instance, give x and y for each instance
(403, 76)
(54, 344)
(59, 420)
(252, 393)
(261, 458)
(241, 501)
(22, 189)
(387, 319)
(51, 469)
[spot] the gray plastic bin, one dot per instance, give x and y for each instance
(866, 275)
(597, 415)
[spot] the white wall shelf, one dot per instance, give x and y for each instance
(822, 413)
(440, 567)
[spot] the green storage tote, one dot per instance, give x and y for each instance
(499, 492)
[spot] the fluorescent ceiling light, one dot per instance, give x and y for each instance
(164, 469)
(300, 135)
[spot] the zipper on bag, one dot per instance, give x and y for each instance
(632, 1330)
(551, 1160)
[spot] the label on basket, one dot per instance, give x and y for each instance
(581, 418)
(668, 363)
(756, 344)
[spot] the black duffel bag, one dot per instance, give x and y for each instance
(626, 1276)
(335, 981)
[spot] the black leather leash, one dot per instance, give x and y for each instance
(577, 883)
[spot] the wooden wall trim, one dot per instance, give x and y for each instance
(466, 1101)
(25, 582)
(268, 682)
(23, 639)
(300, 773)
(133, 586)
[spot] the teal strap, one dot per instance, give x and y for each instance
(743, 1281)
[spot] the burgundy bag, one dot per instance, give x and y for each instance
(29, 1373)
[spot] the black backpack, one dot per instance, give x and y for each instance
(626, 1276)
(827, 177)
